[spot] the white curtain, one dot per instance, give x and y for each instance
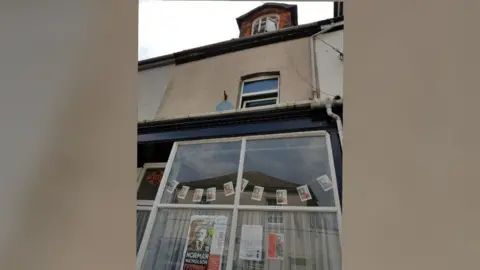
(311, 240)
(142, 219)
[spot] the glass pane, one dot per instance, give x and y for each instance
(142, 219)
(150, 182)
(287, 171)
(260, 103)
(188, 239)
(262, 85)
(301, 241)
(203, 169)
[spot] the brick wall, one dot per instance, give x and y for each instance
(285, 20)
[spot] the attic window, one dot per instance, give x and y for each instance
(268, 23)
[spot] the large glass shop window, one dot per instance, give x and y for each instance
(260, 202)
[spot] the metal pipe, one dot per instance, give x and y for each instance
(337, 118)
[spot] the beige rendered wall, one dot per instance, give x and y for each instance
(197, 87)
(68, 134)
(411, 177)
(151, 88)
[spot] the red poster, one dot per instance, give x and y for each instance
(275, 246)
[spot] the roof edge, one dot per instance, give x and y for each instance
(238, 44)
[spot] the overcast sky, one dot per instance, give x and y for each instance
(166, 27)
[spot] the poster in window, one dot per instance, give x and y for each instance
(257, 193)
(197, 195)
(183, 192)
(282, 197)
(171, 186)
(244, 184)
(304, 193)
(205, 243)
(325, 182)
(228, 188)
(211, 194)
(276, 246)
(251, 243)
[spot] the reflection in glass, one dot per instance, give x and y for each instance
(307, 241)
(149, 184)
(203, 166)
(170, 236)
(287, 164)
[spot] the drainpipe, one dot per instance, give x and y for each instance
(316, 83)
(337, 118)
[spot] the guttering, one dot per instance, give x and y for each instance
(244, 111)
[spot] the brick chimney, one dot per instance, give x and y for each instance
(267, 18)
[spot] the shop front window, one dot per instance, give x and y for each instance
(259, 202)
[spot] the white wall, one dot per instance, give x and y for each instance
(152, 85)
(329, 71)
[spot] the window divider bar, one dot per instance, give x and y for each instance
(236, 202)
(194, 206)
(265, 208)
(144, 208)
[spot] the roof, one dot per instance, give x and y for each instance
(291, 8)
(242, 43)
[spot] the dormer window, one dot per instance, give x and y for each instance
(268, 23)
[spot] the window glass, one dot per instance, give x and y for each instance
(142, 219)
(260, 103)
(302, 240)
(150, 182)
(259, 86)
(186, 238)
(208, 170)
(287, 171)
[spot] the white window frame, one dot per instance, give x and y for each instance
(259, 78)
(237, 206)
(147, 205)
(259, 21)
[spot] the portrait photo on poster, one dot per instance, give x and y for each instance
(257, 193)
(304, 193)
(325, 182)
(228, 188)
(197, 195)
(205, 243)
(171, 186)
(211, 194)
(282, 197)
(183, 192)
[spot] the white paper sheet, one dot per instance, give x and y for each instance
(251, 243)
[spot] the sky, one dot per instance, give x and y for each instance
(167, 27)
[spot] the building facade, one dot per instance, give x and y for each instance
(242, 166)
